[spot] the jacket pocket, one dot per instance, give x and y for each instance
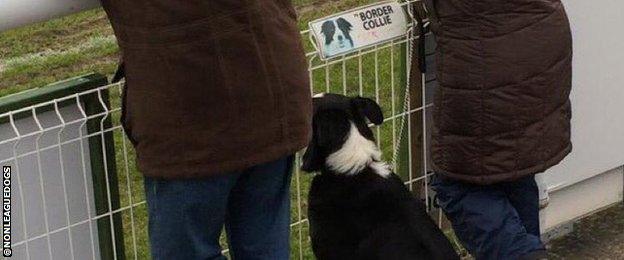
(207, 80)
(177, 90)
(245, 60)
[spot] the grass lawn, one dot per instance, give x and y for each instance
(43, 53)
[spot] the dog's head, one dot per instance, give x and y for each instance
(342, 141)
(337, 34)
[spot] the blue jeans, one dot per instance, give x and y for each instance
(186, 217)
(499, 221)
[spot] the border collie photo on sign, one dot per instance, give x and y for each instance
(337, 36)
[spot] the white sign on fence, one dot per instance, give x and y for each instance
(348, 31)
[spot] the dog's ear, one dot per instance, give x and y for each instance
(344, 24)
(369, 109)
(329, 131)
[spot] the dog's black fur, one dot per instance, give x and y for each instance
(362, 215)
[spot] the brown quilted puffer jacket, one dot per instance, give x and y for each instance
(213, 86)
(502, 110)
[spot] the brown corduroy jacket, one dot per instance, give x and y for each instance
(213, 86)
(502, 110)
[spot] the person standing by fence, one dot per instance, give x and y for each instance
(502, 114)
(216, 103)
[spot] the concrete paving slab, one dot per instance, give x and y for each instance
(599, 236)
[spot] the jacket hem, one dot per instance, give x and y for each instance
(205, 168)
(508, 176)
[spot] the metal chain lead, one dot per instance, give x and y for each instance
(406, 101)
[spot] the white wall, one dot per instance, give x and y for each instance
(597, 92)
(583, 198)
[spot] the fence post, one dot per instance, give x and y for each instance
(103, 165)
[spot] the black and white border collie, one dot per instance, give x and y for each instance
(358, 208)
(337, 36)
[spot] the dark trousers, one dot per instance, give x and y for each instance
(186, 217)
(499, 221)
